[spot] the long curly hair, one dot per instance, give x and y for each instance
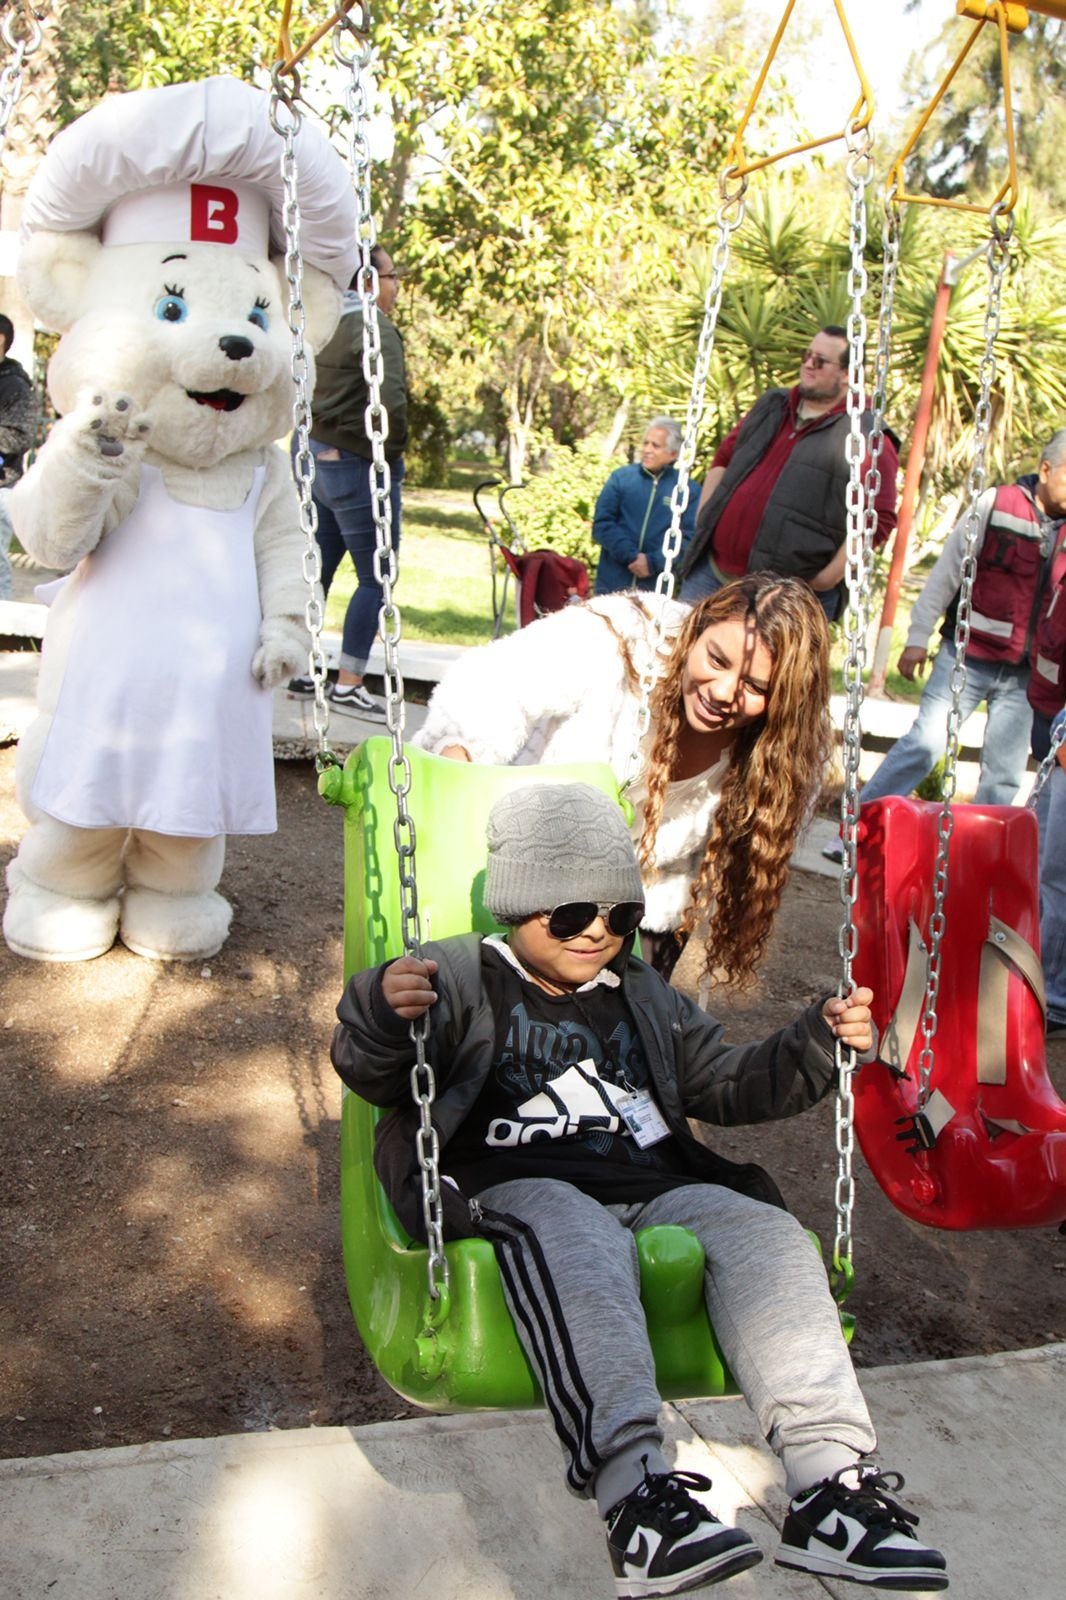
(774, 778)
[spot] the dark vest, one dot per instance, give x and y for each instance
(805, 520)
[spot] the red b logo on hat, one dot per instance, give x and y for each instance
(213, 218)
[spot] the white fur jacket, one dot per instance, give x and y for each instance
(557, 691)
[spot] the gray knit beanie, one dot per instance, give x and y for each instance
(550, 843)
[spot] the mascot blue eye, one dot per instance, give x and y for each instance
(171, 308)
(259, 317)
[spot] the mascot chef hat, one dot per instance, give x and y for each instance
(196, 162)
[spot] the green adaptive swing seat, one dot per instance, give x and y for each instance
(461, 1351)
(465, 1354)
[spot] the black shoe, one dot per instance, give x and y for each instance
(662, 1541)
(353, 697)
(834, 852)
(1055, 1030)
(301, 688)
(849, 1526)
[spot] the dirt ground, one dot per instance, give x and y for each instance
(169, 1242)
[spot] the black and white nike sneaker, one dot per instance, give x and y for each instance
(664, 1541)
(849, 1526)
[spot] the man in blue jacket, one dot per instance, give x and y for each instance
(633, 512)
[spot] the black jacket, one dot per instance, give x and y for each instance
(18, 418)
(696, 1074)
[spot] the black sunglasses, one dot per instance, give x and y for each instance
(567, 921)
(809, 359)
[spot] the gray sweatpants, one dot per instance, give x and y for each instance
(572, 1282)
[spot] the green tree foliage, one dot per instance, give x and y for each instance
(788, 277)
(556, 163)
(965, 150)
(553, 508)
(100, 46)
(552, 182)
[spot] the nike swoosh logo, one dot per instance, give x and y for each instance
(838, 1539)
(639, 1556)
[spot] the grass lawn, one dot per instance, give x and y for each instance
(445, 589)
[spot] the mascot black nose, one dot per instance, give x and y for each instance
(236, 346)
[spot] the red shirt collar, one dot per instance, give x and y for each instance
(793, 406)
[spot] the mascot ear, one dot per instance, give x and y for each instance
(53, 275)
(322, 304)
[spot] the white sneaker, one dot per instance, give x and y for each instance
(661, 1540)
(849, 1526)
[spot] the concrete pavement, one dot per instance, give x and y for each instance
(473, 1507)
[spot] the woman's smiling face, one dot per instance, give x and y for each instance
(726, 681)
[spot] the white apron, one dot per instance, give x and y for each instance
(159, 723)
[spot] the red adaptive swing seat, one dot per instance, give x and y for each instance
(999, 1158)
(546, 581)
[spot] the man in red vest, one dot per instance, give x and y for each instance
(1021, 560)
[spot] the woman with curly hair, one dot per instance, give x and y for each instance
(732, 763)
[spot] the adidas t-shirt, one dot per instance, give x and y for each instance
(550, 1108)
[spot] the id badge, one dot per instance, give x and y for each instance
(643, 1118)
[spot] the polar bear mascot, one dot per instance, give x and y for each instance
(147, 239)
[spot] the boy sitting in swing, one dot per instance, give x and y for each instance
(565, 1070)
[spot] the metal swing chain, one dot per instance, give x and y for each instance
(21, 46)
(890, 243)
(728, 219)
(859, 172)
(1047, 766)
(285, 119)
(356, 56)
(998, 254)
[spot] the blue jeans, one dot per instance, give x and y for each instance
(1053, 892)
(346, 522)
(703, 580)
(700, 582)
(1005, 750)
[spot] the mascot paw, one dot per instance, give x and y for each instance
(44, 926)
(174, 927)
(281, 655)
(112, 426)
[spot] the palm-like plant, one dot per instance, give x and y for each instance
(789, 277)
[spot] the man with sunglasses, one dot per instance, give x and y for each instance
(775, 496)
(566, 1071)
